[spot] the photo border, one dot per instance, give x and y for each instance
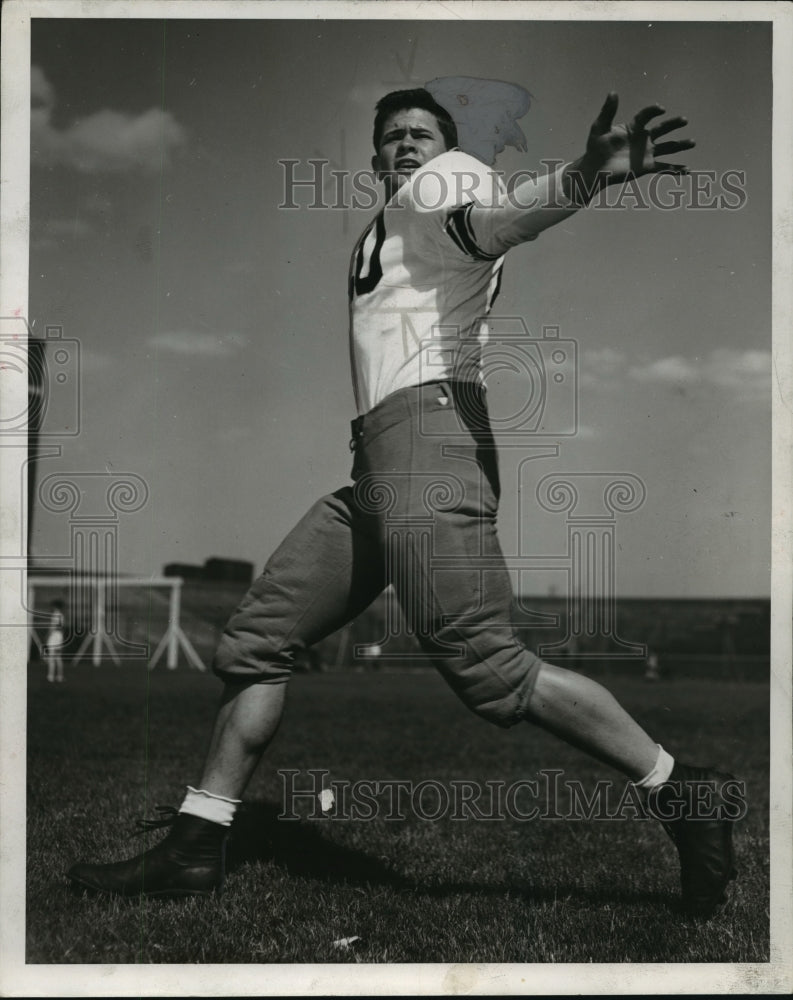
(19, 979)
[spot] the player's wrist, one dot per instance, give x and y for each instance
(582, 179)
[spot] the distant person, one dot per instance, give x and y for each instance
(53, 644)
(651, 670)
(370, 656)
(430, 262)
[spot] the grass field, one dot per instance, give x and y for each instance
(112, 742)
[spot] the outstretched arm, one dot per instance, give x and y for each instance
(613, 154)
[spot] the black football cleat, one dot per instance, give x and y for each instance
(699, 818)
(190, 861)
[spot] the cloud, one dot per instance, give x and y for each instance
(198, 344)
(598, 363)
(107, 140)
(41, 92)
(745, 372)
(737, 368)
(675, 370)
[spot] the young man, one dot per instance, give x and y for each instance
(421, 514)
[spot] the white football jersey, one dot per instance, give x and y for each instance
(427, 270)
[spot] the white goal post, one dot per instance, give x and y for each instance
(98, 637)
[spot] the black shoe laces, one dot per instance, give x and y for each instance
(167, 817)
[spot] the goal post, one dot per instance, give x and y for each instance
(100, 638)
(174, 638)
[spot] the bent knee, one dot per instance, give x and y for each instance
(497, 690)
(245, 656)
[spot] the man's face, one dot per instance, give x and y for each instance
(410, 139)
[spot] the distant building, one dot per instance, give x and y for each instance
(219, 570)
(185, 570)
(229, 570)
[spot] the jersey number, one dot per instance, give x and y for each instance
(362, 286)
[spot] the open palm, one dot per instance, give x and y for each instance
(615, 152)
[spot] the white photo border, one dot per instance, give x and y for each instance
(19, 979)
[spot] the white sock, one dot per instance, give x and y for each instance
(215, 808)
(660, 773)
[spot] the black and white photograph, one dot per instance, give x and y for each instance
(396, 559)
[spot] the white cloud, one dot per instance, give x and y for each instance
(41, 93)
(675, 370)
(738, 368)
(599, 363)
(198, 344)
(605, 359)
(106, 140)
(746, 372)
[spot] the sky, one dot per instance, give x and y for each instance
(212, 324)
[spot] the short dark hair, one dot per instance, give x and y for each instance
(401, 100)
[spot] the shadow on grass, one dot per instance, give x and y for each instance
(302, 850)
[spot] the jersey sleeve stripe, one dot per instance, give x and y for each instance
(459, 228)
(450, 229)
(497, 289)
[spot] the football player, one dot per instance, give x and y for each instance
(421, 512)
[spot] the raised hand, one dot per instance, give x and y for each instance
(617, 151)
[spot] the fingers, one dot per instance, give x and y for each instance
(664, 148)
(642, 117)
(605, 118)
(668, 126)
